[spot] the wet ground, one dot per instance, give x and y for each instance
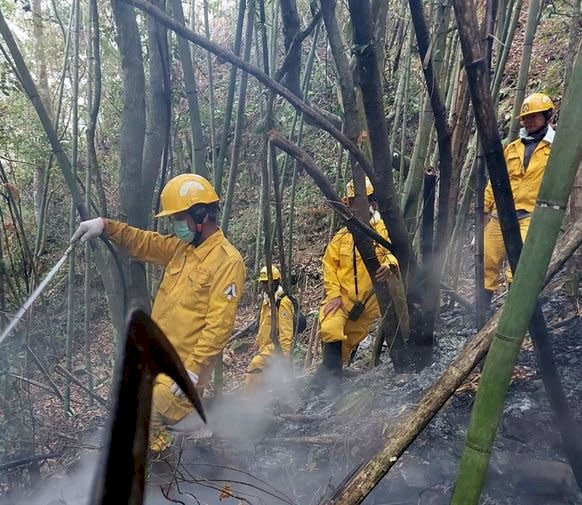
(283, 446)
(304, 448)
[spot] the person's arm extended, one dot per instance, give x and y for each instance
(147, 246)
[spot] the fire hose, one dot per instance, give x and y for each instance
(44, 283)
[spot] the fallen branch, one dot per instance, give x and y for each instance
(27, 461)
(245, 332)
(32, 382)
(59, 369)
(316, 440)
(360, 483)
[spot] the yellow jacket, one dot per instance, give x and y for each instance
(525, 184)
(285, 325)
(338, 265)
(198, 297)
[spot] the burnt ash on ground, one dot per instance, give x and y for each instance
(288, 447)
(306, 446)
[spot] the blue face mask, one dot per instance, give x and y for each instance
(182, 231)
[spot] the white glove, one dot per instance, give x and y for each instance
(175, 389)
(89, 229)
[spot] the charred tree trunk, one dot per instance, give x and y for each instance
(432, 265)
(428, 200)
(291, 28)
(131, 137)
(372, 96)
(476, 67)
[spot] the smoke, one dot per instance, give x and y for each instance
(72, 487)
(199, 465)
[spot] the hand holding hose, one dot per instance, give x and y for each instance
(92, 228)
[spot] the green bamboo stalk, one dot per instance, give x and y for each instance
(521, 302)
(198, 148)
(240, 117)
(530, 32)
(219, 165)
(399, 100)
(93, 99)
(305, 90)
(399, 177)
(210, 89)
(74, 161)
(502, 59)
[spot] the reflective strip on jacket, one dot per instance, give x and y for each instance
(338, 265)
(198, 297)
(525, 184)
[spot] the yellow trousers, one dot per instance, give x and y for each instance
(494, 252)
(167, 408)
(337, 327)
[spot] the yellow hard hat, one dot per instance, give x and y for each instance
(350, 192)
(536, 102)
(263, 274)
(183, 191)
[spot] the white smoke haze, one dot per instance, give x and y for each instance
(69, 487)
(236, 422)
(254, 451)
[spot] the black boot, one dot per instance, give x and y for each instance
(332, 359)
(330, 371)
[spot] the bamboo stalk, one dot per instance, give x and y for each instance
(240, 117)
(521, 304)
(530, 32)
(65, 373)
(361, 482)
(281, 90)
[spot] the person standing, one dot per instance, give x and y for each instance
(285, 314)
(197, 300)
(350, 306)
(526, 159)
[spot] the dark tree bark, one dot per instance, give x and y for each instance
(131, 137)
(372, 95)
(477, 72)
(443, 229)
(158, 117)
(432, 266)
(428, 200)
(291, 29)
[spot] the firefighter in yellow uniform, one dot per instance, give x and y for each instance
(526, 159)
(346, 282)
(199, 294)
(285, 318)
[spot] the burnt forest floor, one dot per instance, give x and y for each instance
(280, 444)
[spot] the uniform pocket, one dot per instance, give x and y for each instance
(196, 289)
(172, 274)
